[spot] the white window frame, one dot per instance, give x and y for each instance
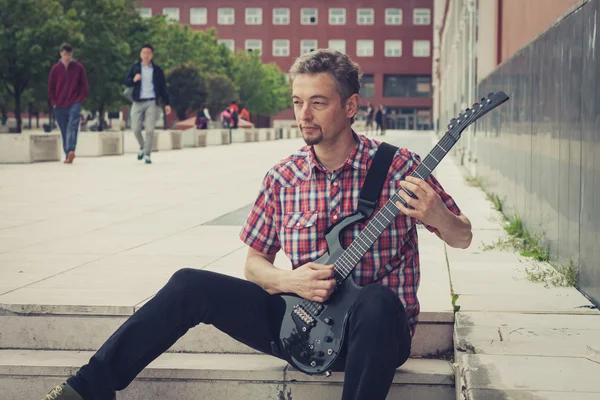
(393, 48)
(230, 43)
(421, 16)
(225, 19)
(367, 20)
(304, 44)
(257, 18)
(281, 47)
(145, 12)
(305, 18)
(338, 48)
(174, 18)
(281, 16)
(364, 51)
(417, 50)
(335, 18)
(390, 19)
(254, 48)
(198, 19)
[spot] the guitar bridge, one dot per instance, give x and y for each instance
(303, 319)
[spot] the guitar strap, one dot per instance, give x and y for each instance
(371, 189)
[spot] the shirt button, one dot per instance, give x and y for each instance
(335, 183)
(335, 217)
(298, 224)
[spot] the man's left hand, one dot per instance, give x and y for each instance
(168, 109)
(427, 205)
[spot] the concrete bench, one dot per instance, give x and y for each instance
(95, 144)
(30, 147)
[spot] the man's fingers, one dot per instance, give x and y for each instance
(323, 274)
(325, 284)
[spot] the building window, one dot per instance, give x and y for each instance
(306, 46)
(364, 48)
(145, 12)
(230, 43)
(281, 47)
(406, 86)
(253, 16)
(337, 16)
(421, 16)
(367, 86)
(421, 48)
(393, 48)
(254, 45)
(365, 16)
(172, 13)
(339, 45)
(281, 16)
(198, 16)
(225, 16)
(393, 16)
(309, 16)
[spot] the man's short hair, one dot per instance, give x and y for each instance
(344, 71)
(66, 47)
(147, 46)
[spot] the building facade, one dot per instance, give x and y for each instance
(390, 40)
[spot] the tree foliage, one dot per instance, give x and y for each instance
(187, 89)
(221, 92)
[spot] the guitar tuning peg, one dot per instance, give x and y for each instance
(483, 99)
(490, 94)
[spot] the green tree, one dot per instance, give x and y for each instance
(187, 89)
(263, 89)
(105, 49)
(30, 33)
(221, 92)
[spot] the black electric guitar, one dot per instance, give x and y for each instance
(312, 333)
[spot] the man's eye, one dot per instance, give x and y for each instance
(296, 102)
(318, 103)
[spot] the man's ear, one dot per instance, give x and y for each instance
(352, 106)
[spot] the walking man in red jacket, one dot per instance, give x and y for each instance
(67, 89)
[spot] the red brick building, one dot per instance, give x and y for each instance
(391, 40)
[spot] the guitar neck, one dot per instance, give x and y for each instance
(384, 217)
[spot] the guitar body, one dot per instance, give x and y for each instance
(312, 339)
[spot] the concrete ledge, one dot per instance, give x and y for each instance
(132, 145)
(88, 332)
(30, 147)
(94, 144)
(212, 137)
(188, 137)
(30, 374)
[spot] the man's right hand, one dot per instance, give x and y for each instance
(137, 77)
(313, 281)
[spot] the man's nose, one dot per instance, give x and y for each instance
(305, 113)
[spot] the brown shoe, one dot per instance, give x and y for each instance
(70, 157)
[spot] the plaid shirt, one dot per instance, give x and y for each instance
(299, 199)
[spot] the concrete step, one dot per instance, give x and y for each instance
(89, 331)
(29, 374)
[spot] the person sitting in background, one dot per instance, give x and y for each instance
(244, 114)
(226, 118)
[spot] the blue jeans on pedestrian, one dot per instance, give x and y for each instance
(68, 121)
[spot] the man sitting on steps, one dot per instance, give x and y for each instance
(300, 197)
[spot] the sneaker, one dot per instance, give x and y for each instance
(147, 160)
(63, 392)
(140, 155)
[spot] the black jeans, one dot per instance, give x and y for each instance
(378, 334)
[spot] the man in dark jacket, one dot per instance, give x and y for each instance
(67, 88)
(148, 82)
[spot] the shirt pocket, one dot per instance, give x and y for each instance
(300, 236)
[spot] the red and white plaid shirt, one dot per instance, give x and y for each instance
(299, 199)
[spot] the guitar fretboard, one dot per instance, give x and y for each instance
(369, 235)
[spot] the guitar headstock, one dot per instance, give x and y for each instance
(464, 119)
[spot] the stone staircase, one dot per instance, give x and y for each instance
(39, 350)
